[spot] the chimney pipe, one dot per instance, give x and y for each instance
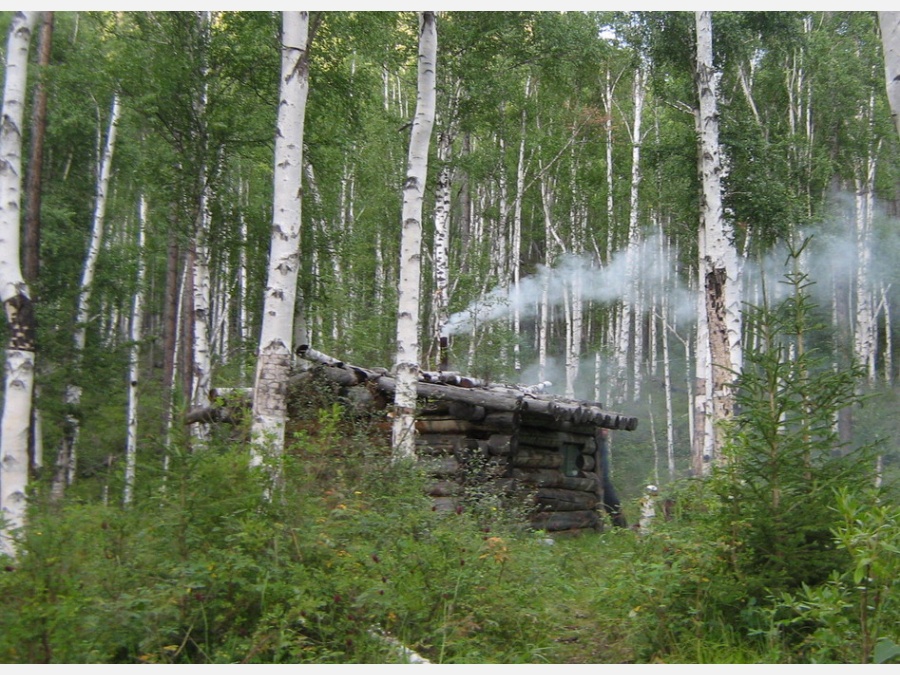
(444, 353)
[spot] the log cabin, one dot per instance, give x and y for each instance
(510, 439)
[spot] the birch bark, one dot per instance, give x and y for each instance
(274, 360)
(406, 365)
(133, 356)
(719, 264)
(66, 458)
(889, 23)
(202, 290)
(20, 350)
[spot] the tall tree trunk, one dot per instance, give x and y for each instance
(889, 23)
(14, 293)
(516, 239)
(406, 364)
(170, 339)
(865, 333)
(719, 264)
(274, 359)
(33, 185)
(66, 458)
(134, 359)
(33, 171)
(202, 288)
(442, 244)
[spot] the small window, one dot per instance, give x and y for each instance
(571, 454)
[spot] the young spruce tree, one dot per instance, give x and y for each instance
(784, 462)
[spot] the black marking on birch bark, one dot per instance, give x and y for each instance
(20, 315)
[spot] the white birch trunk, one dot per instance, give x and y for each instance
(442, 236)
(610, 213)
(14, 293)
(719, 265)
(888, 340)
(274, 360)
(406, 364)
(890, 38)
(516, 243)
(243, 318)
(864, 338)
(133, 360)
(66, 460)
(201, 276)
(634, 233)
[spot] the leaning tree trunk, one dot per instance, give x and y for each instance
(274, 358)
(719, 264)
(406, 365)
(66, 455)
(14, 291)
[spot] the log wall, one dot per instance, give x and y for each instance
(525, 449)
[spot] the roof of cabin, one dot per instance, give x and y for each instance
(451, 386)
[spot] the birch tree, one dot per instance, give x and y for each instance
(66, 458)
(406, 363)
(201, 282)
(889, 23)
(274, 356)
(14, 292)
(719, 259)
(133, 363)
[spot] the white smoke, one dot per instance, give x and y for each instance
(594, 282)
(831, 253)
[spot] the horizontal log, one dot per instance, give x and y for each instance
(435, 408)
(455, 379)
(559, 499)
(467, 411)
(482, 397)
(551, 478)
(440, 426)
(543, 458)
(554, 521)
(212, 414)
(500, 421)
(500, 444)
(575, 413)
(442, 466)
(555, 439)
(528, 457)
(310, 354)
(440, 442)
